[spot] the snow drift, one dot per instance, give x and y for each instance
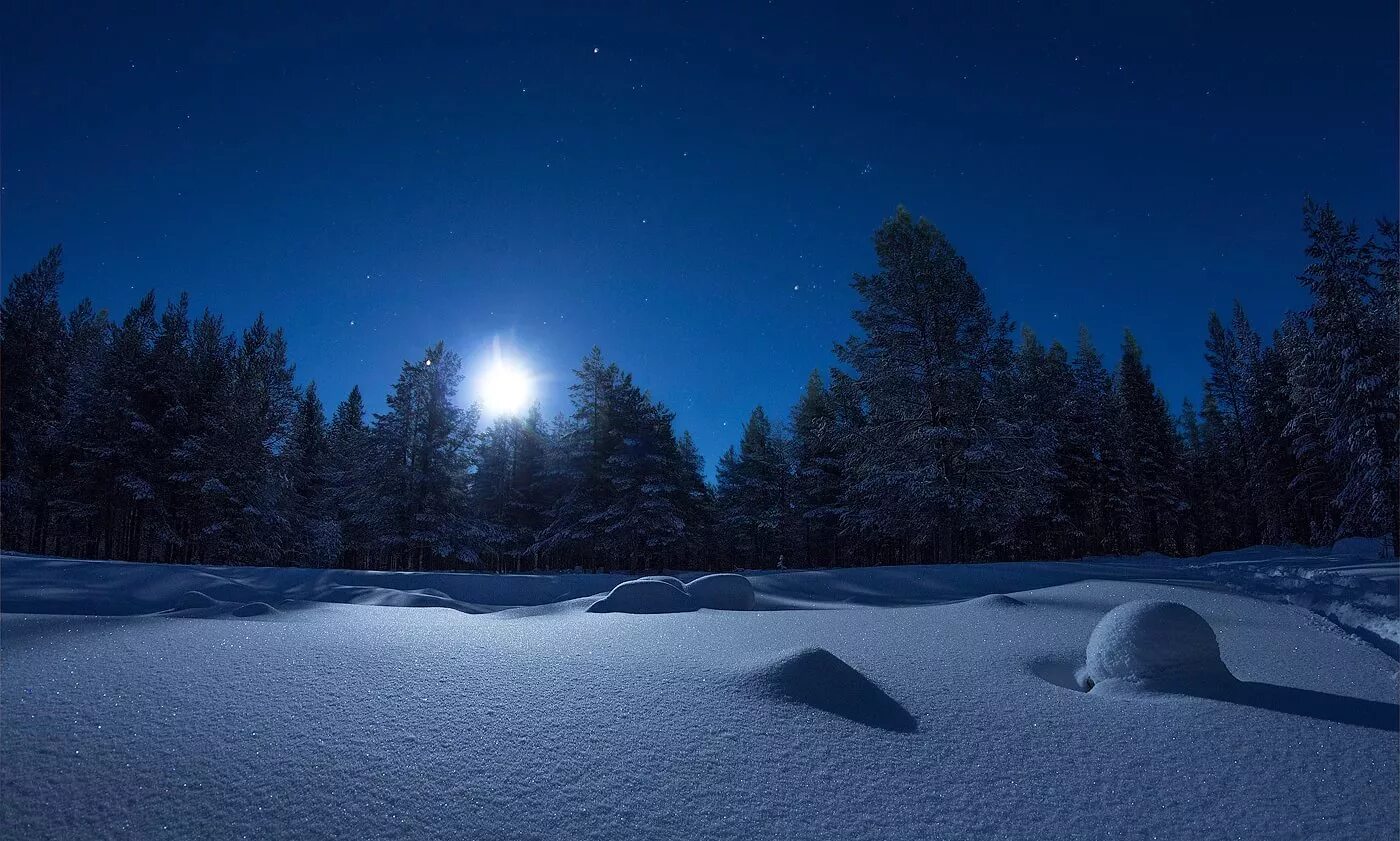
(817, 678)
(645, 595)
(667, 594)
(823, 713)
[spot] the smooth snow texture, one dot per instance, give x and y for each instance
(667, 594)
(820, 679)
(333, 717)
(724, 591)
(645, 595)
(1152, 641)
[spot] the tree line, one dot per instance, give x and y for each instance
(942, 435)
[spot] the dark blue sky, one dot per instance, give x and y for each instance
(687, 186)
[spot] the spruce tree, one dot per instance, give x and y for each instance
(33, 370)
(314, 531)
(421, 480)
(926, 462)
(1152, 449)
(817, 473)
(1346, 371)
(752, 495)
(349, 468)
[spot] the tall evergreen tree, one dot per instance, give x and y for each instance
(33, 370)
(817, 475)
(925, 464)
(421, 456)
(314, 530)
(1095, 482)
(1033, 396)
(348, 469)
(1233, 354)
(1343, 379)
(263, 402)
(79, 492)
(752, 494)
(1153, 455)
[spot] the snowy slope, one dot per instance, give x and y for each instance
(323, 713)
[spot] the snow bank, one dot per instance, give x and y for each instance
(936, 720)
(820, 679)
(725, 591)
(996, 600)
(1363, 547)
(665, 594)
(645, 595)
(1152, 642)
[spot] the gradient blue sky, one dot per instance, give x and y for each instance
(688, 186)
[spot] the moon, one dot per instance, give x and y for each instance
(505, 386)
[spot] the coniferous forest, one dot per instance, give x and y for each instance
(943, 435)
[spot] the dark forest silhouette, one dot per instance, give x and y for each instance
(941, 437)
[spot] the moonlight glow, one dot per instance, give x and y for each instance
(504, 387)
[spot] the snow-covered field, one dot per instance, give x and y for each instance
(141, 701)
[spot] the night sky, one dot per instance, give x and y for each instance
(688, 187)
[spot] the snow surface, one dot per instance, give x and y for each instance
(136, 702)
(724, 591)
(646, 595)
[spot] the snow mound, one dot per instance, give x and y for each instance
(645, 595)
(997, 600)
(724, 591)
(1364, 547)
(820, 679)
(1152, 642)
(194, 600)
(254, 609)
(665, 579)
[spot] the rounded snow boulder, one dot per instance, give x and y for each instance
(724, 591)
(1152, 642)
(645, 595)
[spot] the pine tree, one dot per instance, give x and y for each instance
(120, 448)
(696, 502)
(172, 421)
(752, 495)
(817, 474)
(421, 456)
(1091, 454)
(204, 464)
(79, 493)
(1344, 382)
(925, 464)
(33, 370)
(625, 488)
(1313, 480)
(1031, 515)
(1233, 355)
(1153, 455)
(263, 402)
(509, 487)
(348, 471)
(314, 531)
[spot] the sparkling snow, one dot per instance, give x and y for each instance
(138, 701)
